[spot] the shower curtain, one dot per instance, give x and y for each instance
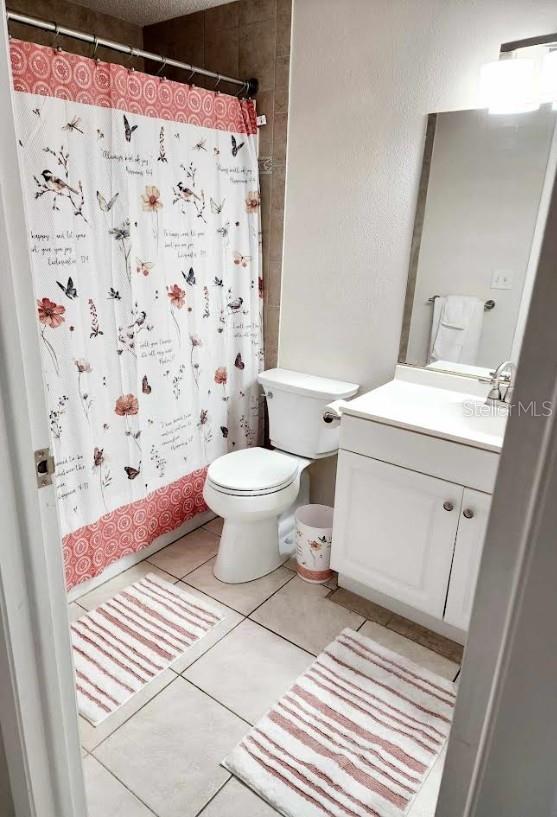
(142, 203)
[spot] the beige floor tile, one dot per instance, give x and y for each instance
(106, 591)
(75, 612)
(230, 620)
(410, 649)
(187, 553)
(301, 613)
(91, 736)
(249, 670)
(236, 800)
(106, 797)
(215, 525)
(169, 753)
(241, 597)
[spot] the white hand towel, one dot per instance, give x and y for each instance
(456, 328)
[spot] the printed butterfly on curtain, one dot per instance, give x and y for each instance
(128, 130)
(104, 204)
(69, 289)
(235, 146)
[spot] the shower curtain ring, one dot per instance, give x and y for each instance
(57, 47)
(161, 69)
(130, 58)
(193, 72)
(217, 83)
(95, 46)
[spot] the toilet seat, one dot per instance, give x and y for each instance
(252, 472)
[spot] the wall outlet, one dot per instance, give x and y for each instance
(502, 279)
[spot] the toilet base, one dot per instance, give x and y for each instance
(248, 551)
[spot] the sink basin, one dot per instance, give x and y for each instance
(489, 418)
(452, 414)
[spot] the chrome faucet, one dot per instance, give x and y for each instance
(502, 383)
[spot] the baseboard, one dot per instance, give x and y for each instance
(134, 558)
(424, 619)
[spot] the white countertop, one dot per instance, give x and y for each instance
(459, 416)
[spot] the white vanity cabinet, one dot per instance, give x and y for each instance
(410, 518)
(472, 524)
(395, 530)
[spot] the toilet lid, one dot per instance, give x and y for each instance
(253, 469)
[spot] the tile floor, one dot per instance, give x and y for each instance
(159, 755)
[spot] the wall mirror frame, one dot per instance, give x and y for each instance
(514, 144)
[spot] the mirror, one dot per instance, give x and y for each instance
(481, 211)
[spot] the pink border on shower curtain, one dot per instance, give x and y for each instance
(90, 549)
(40, 69)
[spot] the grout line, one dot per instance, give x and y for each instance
(218, 641)
(229, 604)
(218, 791)
(216, 700)
(179, 578)
(115, 776)
(152, 698)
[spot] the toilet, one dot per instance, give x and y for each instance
(256, 490)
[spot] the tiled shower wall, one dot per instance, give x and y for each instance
(72, 15)
(248, 38)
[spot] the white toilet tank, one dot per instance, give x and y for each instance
(296, 402)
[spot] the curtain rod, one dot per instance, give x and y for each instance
(248, 87)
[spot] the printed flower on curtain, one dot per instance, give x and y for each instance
(152, 204)
(221, 378)
(105, 477)
(50, 315)
(143, 267)
(152, 199)
(177, 300)
(122, 235)
(196, 342)
(127, 405)
(253, 201)
(83, 367)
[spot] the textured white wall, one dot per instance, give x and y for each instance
(364, 74)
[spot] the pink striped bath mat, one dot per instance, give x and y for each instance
(355, 736)
(127, 641)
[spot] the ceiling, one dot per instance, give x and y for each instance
(145, 12)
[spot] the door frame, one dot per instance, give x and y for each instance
(503, 737)
(38, 713)
(37, 695)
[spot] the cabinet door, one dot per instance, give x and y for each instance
(466, 562)
(394, 530)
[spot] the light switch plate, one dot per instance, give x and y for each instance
(502, 279)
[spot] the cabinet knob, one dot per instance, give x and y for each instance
(468, 513)
(448, 506)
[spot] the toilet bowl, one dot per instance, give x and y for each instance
(256, 490)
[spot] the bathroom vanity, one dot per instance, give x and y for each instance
(417, 466)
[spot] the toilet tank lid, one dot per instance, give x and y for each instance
(308, 384)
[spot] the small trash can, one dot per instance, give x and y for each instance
(314, 531)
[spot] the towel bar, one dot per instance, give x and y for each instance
(488, 306)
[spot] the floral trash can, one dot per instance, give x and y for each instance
(314, 531)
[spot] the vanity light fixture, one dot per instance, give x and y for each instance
(509, 85)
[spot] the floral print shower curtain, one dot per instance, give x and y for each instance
(142, 203)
